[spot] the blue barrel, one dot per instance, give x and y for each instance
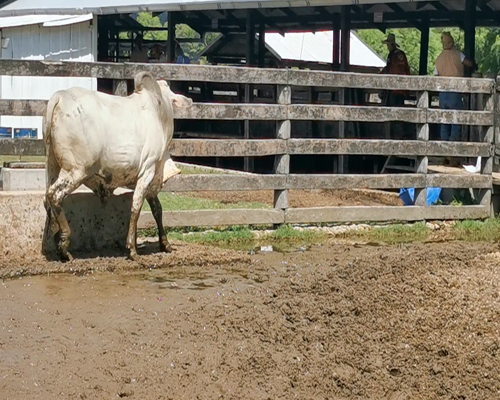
(25, 133)
(5, 133)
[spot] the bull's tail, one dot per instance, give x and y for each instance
(52, 166)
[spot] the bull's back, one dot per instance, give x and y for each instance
(105, 134)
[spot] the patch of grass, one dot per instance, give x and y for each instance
(396, 233)
(477, 231)
(232, 237)
(179, 202)
(21, 158)
(286, 233)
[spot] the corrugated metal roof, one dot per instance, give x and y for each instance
(46, 20)
(23, 7)
(318, 47)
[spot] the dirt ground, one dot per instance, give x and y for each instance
(341, 321)
(308, 198)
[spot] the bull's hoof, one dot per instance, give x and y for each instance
(66, 257)
(166, 247)
(133, 256)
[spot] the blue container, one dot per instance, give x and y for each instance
(408, 196)
(25, 133)
(5, 133)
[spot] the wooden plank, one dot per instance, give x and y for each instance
(462, 181)
(459, 149)
(213, 218)
(215, 111)
(34, 108)
(227, 148)
(263, 147)
(208, 73)
(350, 181)
(212, 111)
(390, 82)
(388, 147)
(171, 72)
(27, 147)
(383, 213)
(387, 181)
(223, 182)
(460, 117)
(355, 113)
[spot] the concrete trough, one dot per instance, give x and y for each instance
(94, 227)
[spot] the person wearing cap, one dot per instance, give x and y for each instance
(451, 63)
(397, 64)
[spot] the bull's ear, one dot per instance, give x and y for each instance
(181, 101)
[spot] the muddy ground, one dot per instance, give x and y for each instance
(308, 198)
(340, 321)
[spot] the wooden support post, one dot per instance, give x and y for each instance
(336, 47)
(470, 31)
(345, 32)
(487, 135)
(345, 45)
(171, 37)
(282, 162)
(250, 36)
(262, 45)
(424, 48)
(250, 62)
(422, 162)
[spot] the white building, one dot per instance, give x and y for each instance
(44, 37)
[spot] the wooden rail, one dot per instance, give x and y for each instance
(283, 146)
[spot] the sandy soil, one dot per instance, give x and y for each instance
(308, 198)
(341, 321)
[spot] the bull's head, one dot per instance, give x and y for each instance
(177, 100)
(145, 81)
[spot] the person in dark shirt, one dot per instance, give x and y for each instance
(397, 64)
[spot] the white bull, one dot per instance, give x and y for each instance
(105, 142)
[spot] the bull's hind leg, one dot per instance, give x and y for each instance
(65, 184)
(137, 202)
(156, 210)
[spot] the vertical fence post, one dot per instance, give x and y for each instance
(488, 135)
(422, 161)
(496, 108)
(282, 161)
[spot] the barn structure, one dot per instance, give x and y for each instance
(59, 37)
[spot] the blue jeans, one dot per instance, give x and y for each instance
(450, 101)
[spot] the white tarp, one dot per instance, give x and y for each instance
(46, 20)
(23, 7)
(318, 47)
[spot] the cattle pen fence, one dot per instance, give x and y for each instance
(284, 112)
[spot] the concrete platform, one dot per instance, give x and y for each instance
(23, 179)
(93, 226)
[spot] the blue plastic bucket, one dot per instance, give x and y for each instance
(5, 133)
(25, 133)
(408, 196)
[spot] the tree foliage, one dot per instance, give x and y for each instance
(192, 50)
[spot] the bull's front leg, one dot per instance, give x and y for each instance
(137, 202)
(156, 210)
